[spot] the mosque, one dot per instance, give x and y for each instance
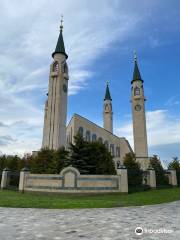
(57, 134)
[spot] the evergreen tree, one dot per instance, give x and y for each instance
(100, 160)
(91, 157)
(60, 159)
(78, 154)
(43, 162)
(174, 164)
(2, 162)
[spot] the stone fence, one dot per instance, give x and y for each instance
(71, 181)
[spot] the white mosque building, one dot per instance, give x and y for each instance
(57, 134)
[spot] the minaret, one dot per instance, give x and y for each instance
(54, 133)
(139, 118)
(107, 113)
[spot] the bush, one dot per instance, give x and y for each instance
(10, 161)
(48, 161)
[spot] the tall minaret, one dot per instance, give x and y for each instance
(54, 132)
(139, 117)
(107, 113)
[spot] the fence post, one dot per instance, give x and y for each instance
(24, 172)
(151, 180)
(123, 182)
(172, 177)
(5, 178)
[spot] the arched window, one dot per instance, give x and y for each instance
(88, 136)
(100, 140)
(106, 144)
(117, 151)
(137, 91)
(94, 137)
(112, 149)
(106, 107)
(80, 131)
(56, 67)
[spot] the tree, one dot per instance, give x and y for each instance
(100, 160)
(2, 162)
(161, 178)
(48, 161)
(43, 162)
(174, 164)
(135, 174)
(78, 154)
(91, 157)
(60, 159)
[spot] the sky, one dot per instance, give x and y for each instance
(100, 37)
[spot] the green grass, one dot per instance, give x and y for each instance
(58, 201)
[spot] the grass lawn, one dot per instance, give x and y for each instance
(38, 200)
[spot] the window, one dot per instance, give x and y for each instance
(80, 131)
(106, 144)
(56, 67)
(112, 149)
(117, 151)
(100, 140)
(94, 137)
(137, 91)
(88, 136)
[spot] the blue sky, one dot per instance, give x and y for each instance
(100, 37)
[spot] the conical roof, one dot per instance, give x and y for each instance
(107, 94)
(60, 44)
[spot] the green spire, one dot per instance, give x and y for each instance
(136, 74)
(60, 43)
(107, 95)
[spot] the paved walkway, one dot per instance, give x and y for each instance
(103, 224)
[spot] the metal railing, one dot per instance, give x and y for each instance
(0, 176)
(13, 180)
(178, 177)
(162, 180)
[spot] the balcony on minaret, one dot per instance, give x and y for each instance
(54, 74)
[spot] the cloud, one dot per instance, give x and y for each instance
(29, 33)
(162, 129)
(172, 101)
(3, 125)
(6, 140)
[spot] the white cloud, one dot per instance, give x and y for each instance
(162, 129)
(29, 32)
(174, 100)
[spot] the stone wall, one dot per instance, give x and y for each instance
(70, 181)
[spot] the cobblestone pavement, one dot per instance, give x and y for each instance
(105, 224)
